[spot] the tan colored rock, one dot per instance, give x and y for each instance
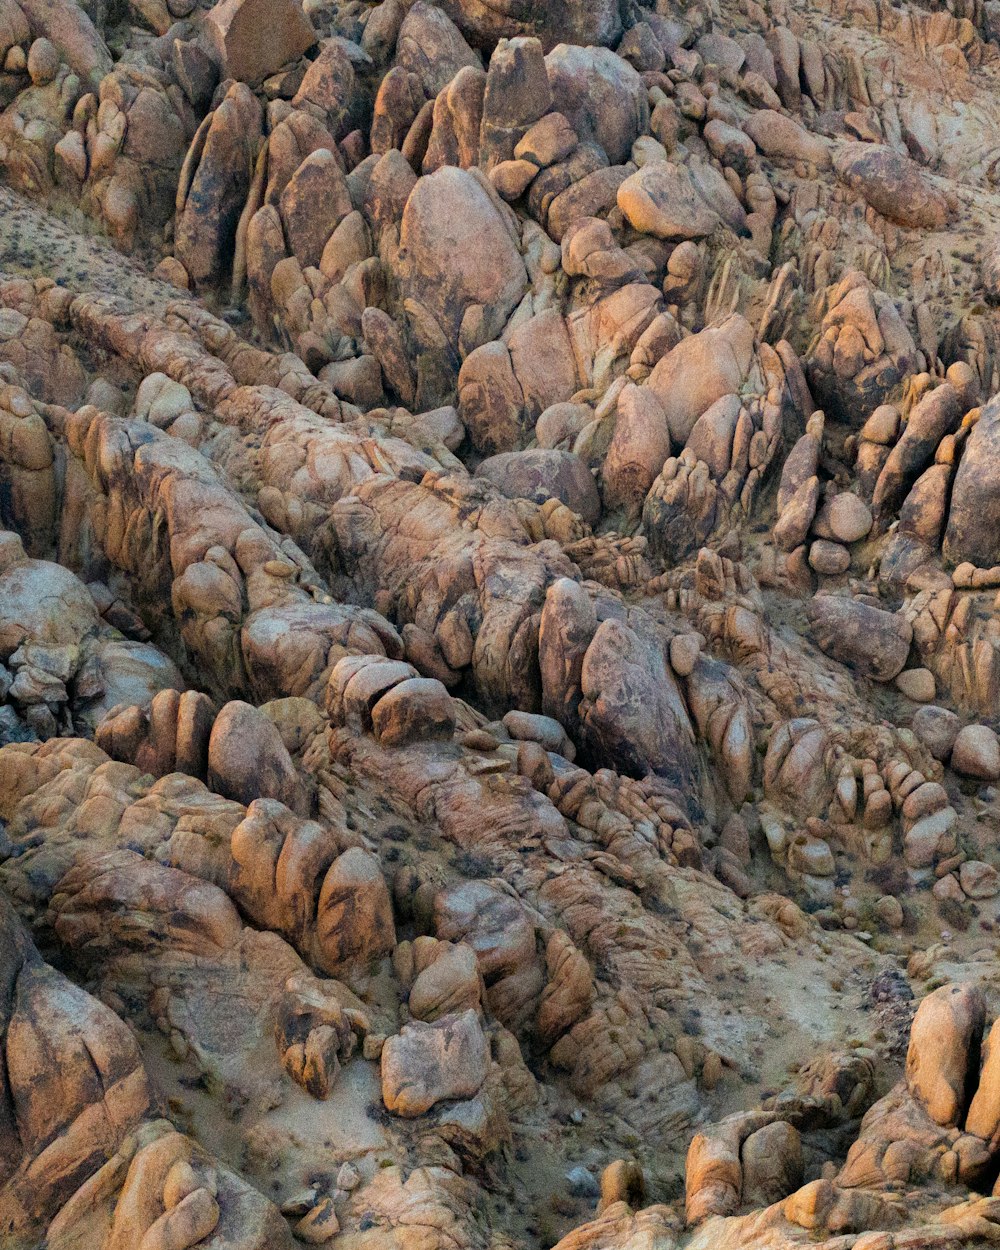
(944, 1045)
(930, 838)
(772, 1164)
(428, 1063)
(541, 475)
(69, 29)
(829, 558)
(432, 47)
(937, 728)
(936, 415)
(622, 1181)
(984, 1113)
(843, 517)
(976, 753)
(795, 766)
(861, 352)
(601, 96)
(512, 178)
(467, 283)
(784, 139)
(327, 88)
(314, 202)
(796, 519)
(418, 709)
(917, 684)
(549, 140)
(585, 24)
(978, 880)
(449, 984)
(354, 920)
(247, 759)
(700, 370)
(662, 200)
(973, 519)
(491, 399)
(211, 197)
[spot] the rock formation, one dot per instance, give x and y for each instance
(499, 647)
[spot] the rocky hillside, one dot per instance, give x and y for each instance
(499, 624)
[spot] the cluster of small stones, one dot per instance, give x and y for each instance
(499, 624)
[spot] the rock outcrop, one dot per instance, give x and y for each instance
(499, 659)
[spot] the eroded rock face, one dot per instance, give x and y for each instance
(209, 206)
(498, 645)
(542, 475)
(600, 95)
(699, 371)
(662, 201)
(152, 1183)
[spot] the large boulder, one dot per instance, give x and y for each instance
(247, 759)
(460, 262)
(700, 370)
(661, 199)
(973, 531)
(498, 928)
(784, 139)
(944, 1043)
(313, 203)
(892, 184)
(252, 39)
(936, 415)
(43, 603)
(976, 753)
(355, 926)
(937, 728)
(601, 95)
(211, 197)
(129, 672)
(71, 1074)
(70, 31)
(329, 89)
(795, 766)
(632, 710)
(418, 709)
(862, 350)
(428, 1063)
(517, 96)
(639, 447)
(431, 47)
(552, 21)
(875, 643)
(541, 474)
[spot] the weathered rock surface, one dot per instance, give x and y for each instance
(499, 660)
(430, 1062)
(253, 40)
(873, 642)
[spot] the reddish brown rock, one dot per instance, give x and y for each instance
(874, 642)
(253, 38)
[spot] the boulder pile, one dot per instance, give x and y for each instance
(499, 624)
